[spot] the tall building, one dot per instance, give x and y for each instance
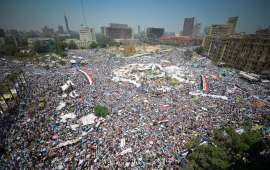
(139, 29)
(67, 26)
(188, 26)
(218, 30)
(60, 29)
(154, 34)
(2, 38)
(87, 36)
(231, 23)
(223, 29)
(245, 52)
(117, 31)
(196, 30)
(2, 33)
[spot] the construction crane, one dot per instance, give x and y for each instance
(83, 14)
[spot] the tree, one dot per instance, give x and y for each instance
(231, 150)
(102, 41)
(72, 45)
(44, 46)
(209, 157)
(93, 45)
(10, 46)
(25, 55)
(60, 47)
(101, 111)
(10, 49)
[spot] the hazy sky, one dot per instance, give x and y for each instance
(170, 14)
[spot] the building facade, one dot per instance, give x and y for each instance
(218, 30)
(188, 26)
(44, 41)
(117, 31)
(87, 37)
(2, 42)
(245, 52)
(181, 40)
(231, 23)
(223, 29)
(197, 30)
(154, 34)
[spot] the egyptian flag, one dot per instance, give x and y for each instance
(204, 83)
(88, 74)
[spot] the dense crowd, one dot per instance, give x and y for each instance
(146, 128)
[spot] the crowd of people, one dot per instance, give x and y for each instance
(146, 128)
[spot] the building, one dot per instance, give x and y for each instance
(13, 87)
(245, 52)
(154, 34)
(2, 38)
(181, 40)
(71, 40)
(117, 31)
(223, 29)
(264, 32)
(44, 40)
(188, 26)
(231, 23)
(197, 30)
(218, 30)
(87, 37)
(139, 29)
(47, 32)
(60, 30)
(67, 26)
(87, 34)
(2, 41)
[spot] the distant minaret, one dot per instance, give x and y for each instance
(67, 27)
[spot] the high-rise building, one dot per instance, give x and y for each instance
(153, 34)
(188, 26)
(117, 31)
(2, 33)
(60, 29)
(240, 51)
(67, 26)
(196, 30)
(139, 29)
(2, 38)
(218, 30)
(231, 23)
(87, 36)
(223, 29)
(249, 52)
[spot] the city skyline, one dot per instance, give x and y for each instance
(33, 15)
